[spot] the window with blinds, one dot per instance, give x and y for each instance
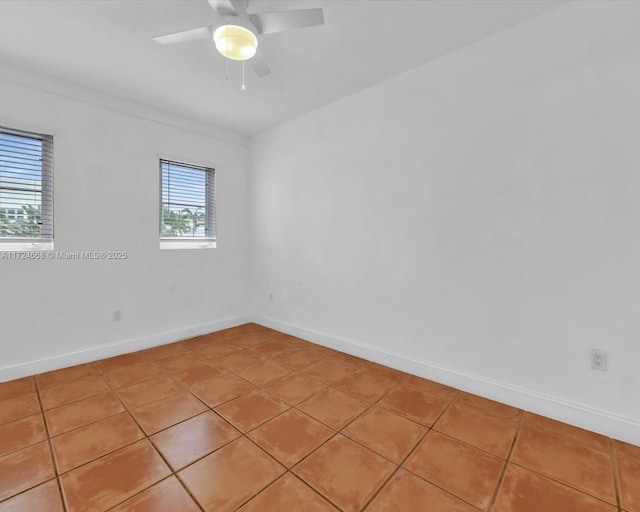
(26, 186)
(188, 202)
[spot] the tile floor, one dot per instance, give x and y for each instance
(254, 420)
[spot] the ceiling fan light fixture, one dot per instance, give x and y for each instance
(235, 42)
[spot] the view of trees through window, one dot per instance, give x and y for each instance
(21, 171)
(188, 197)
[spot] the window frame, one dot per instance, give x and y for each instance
(191, 242)
(44, 241)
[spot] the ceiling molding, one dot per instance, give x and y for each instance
(24, 77)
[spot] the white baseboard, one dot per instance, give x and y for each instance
(612, 425)
(116, 348)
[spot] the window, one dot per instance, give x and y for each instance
(187, 205)
(26, 189)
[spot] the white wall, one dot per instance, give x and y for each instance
(476, 220)
(106, 180)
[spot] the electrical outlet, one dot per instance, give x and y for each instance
(598, 360)
(117, 315)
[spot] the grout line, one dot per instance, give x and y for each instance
(562, 483)
(411, 452)
(173, 473)
(294, 475)
(53, 458)
(614, 469)
(506, 464)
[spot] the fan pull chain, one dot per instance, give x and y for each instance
(243, 86)
(227, 59)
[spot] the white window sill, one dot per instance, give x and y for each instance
(187, 244)
(6, 245)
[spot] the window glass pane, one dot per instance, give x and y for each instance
(186, 210)
(24, 170)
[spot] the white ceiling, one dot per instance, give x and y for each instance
(106, 45)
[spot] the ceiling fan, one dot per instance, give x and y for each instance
(236, 33)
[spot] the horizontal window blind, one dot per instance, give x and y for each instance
(188, 208)
(26, 185)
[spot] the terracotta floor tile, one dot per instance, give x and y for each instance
(164, 413)
(73, 391)
(469, 424)
(22, 433)
(105, 482)
(464, 471)
(365, 385)
(294, 341)
(249, 411)
(358, 362)
(197, 374)
(629, 474)
(252, 339)
(329, 370)
(217, 391)
(333, 407)
(524, 491)
(44, 498)
(223, 336)
(184, 361)
(291, 436)
(297, 358)
(225, 479)
(15, 388)
(93, 441)
(385, 433)
(294, 388)
(588, 439)
(82, 412)
(148, 391)
(431, 387)
(271, 348)
(408, 493)
(288, 494)
(167, 495)
(164, 351)
(214, 350)
(320, 350)
(24, 469)
(345, 472)
(125, 376)
(64, 376)
(242, 330)
(386, 372)
(491, 407)
(414, 404)
(562, 458)
(110, 364)
(238, 360)
(192, 439)
(264, 372)
(198, 342)
(626, 451)
(19, 407)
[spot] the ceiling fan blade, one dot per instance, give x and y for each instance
(259, 65)
(271, 22)
(187, 35)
